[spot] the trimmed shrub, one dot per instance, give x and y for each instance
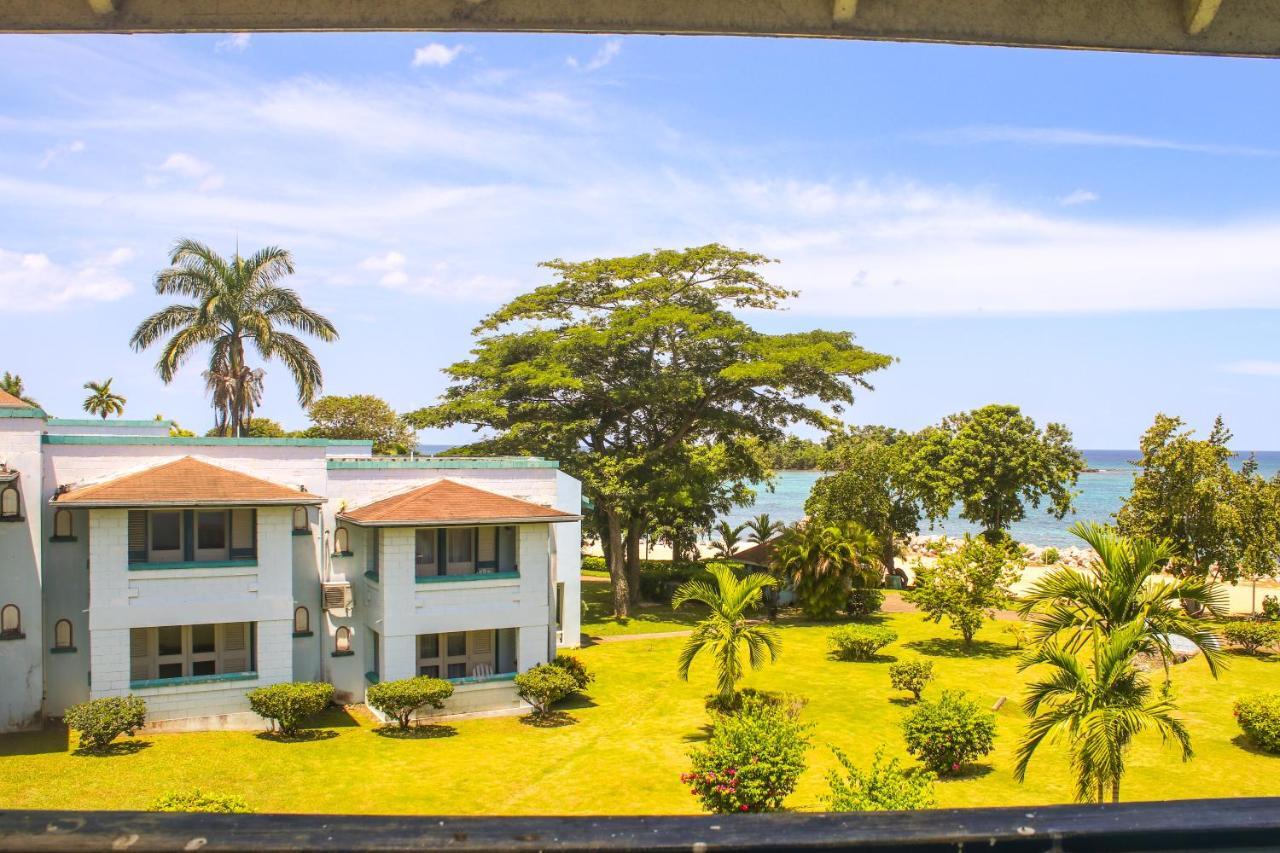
(196, 800)
(1050, 556)
(863, 601)
(401, 698)
(544, 685)
(859, 642)
(912, 675)
(949, 733)
(884, 786)
(1251, 636)
(1259, 717)
(1271, 607)
(570, 664)
(100, 721)
(289, 704)
(751, 762)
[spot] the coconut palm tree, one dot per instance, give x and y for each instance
(1098, 706)
(12, 383)
(762, 528)
(235, 394)
(235, 303)
(102, 401)
(1118, 589)
(728, 627)
(730, 536)
(823, 562)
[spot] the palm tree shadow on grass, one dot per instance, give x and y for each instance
(116, 748)
(423, 731)
(955, 648)
(303, 736)
(549, 720)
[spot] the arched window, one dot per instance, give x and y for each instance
(62, 527)
(301, 521)
(9, 502)
(62, 636)
(342, 641)
(10, 622)
(341, 541)
(301, 621)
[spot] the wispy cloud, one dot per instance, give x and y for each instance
(193, 168)
(607, 53)
(436, 55)
(1254, 368)
(35, 282)
(1066, 136)
(60, 150)
(1078, 197)
(233, 43)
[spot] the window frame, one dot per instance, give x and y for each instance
(11, 622)
(341, 541)
(164, 555)
(443, 658)
(305, 527)
(58, 644)
(187, 658)
(10, 493)
(69, 535)
(342, 642)
(305, 630)
(208, 554)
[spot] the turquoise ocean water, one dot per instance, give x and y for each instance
(1102, 490)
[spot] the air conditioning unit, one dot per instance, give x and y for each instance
(337, 597)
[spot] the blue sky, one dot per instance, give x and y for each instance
(1095, 237)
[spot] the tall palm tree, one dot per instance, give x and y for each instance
(762, 528)
(1118, 589)
(728, 626)
(823, 562)
(730, 536)
(234, 394)
(236, 303)
(12, 383)
(1098, 706)
(102, 401)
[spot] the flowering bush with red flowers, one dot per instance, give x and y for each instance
(949, 733)
(751, 762)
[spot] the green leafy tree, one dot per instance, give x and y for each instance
(12, 383)
(949, 733)
(544, 685)
(362, 416)
(762, 528)
(234, 304)
(1182, 494)
(621, 367)
(1098, 704)
(883, 786)
(1255, 516)
(794, 453)
(823, 563)
(912, 675)
(729, 536)
(872, 485)
(728, 627)
(1118, 589)
(102, 401)
(994, 462)
(968, 585)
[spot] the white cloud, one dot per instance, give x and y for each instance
(233, 43)
(55, 152)
(602, 57)
(1254, 368)
(436, 55)
(1064, 136)
(1078, 197)
(192, 168)
(34, 282)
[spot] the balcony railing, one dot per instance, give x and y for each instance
(1225, 824)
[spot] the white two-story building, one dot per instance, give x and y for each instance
(188, 571)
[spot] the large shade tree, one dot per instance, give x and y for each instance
(994, 463)
(620, 366)
(234, 304)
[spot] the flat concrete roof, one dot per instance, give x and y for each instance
(1228, 27)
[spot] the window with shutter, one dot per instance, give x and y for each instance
(140, 654)
(137, 536)
(235, 648)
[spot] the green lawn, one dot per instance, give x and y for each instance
(626, 747)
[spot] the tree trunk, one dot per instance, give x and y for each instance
(1115, 790)
(887, 550)
(634, 528)
(617, 565)
(1101, 792)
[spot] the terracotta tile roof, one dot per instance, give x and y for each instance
(185, 482)
(451, 502)
(8, 401)
(757, 555)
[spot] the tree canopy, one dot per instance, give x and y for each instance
(361, 416)
(625, 369)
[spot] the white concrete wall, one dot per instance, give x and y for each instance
(22, 660)
(568, 559)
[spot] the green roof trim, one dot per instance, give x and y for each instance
(443, 462)
(201, 441)
(16, 412)
(99, 422)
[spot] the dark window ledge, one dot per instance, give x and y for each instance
(12, 518)
(342, 554)
(62, 650)
(64, 539)
(301, 532)
(348, 653)
(297, 634)
(12, 635)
